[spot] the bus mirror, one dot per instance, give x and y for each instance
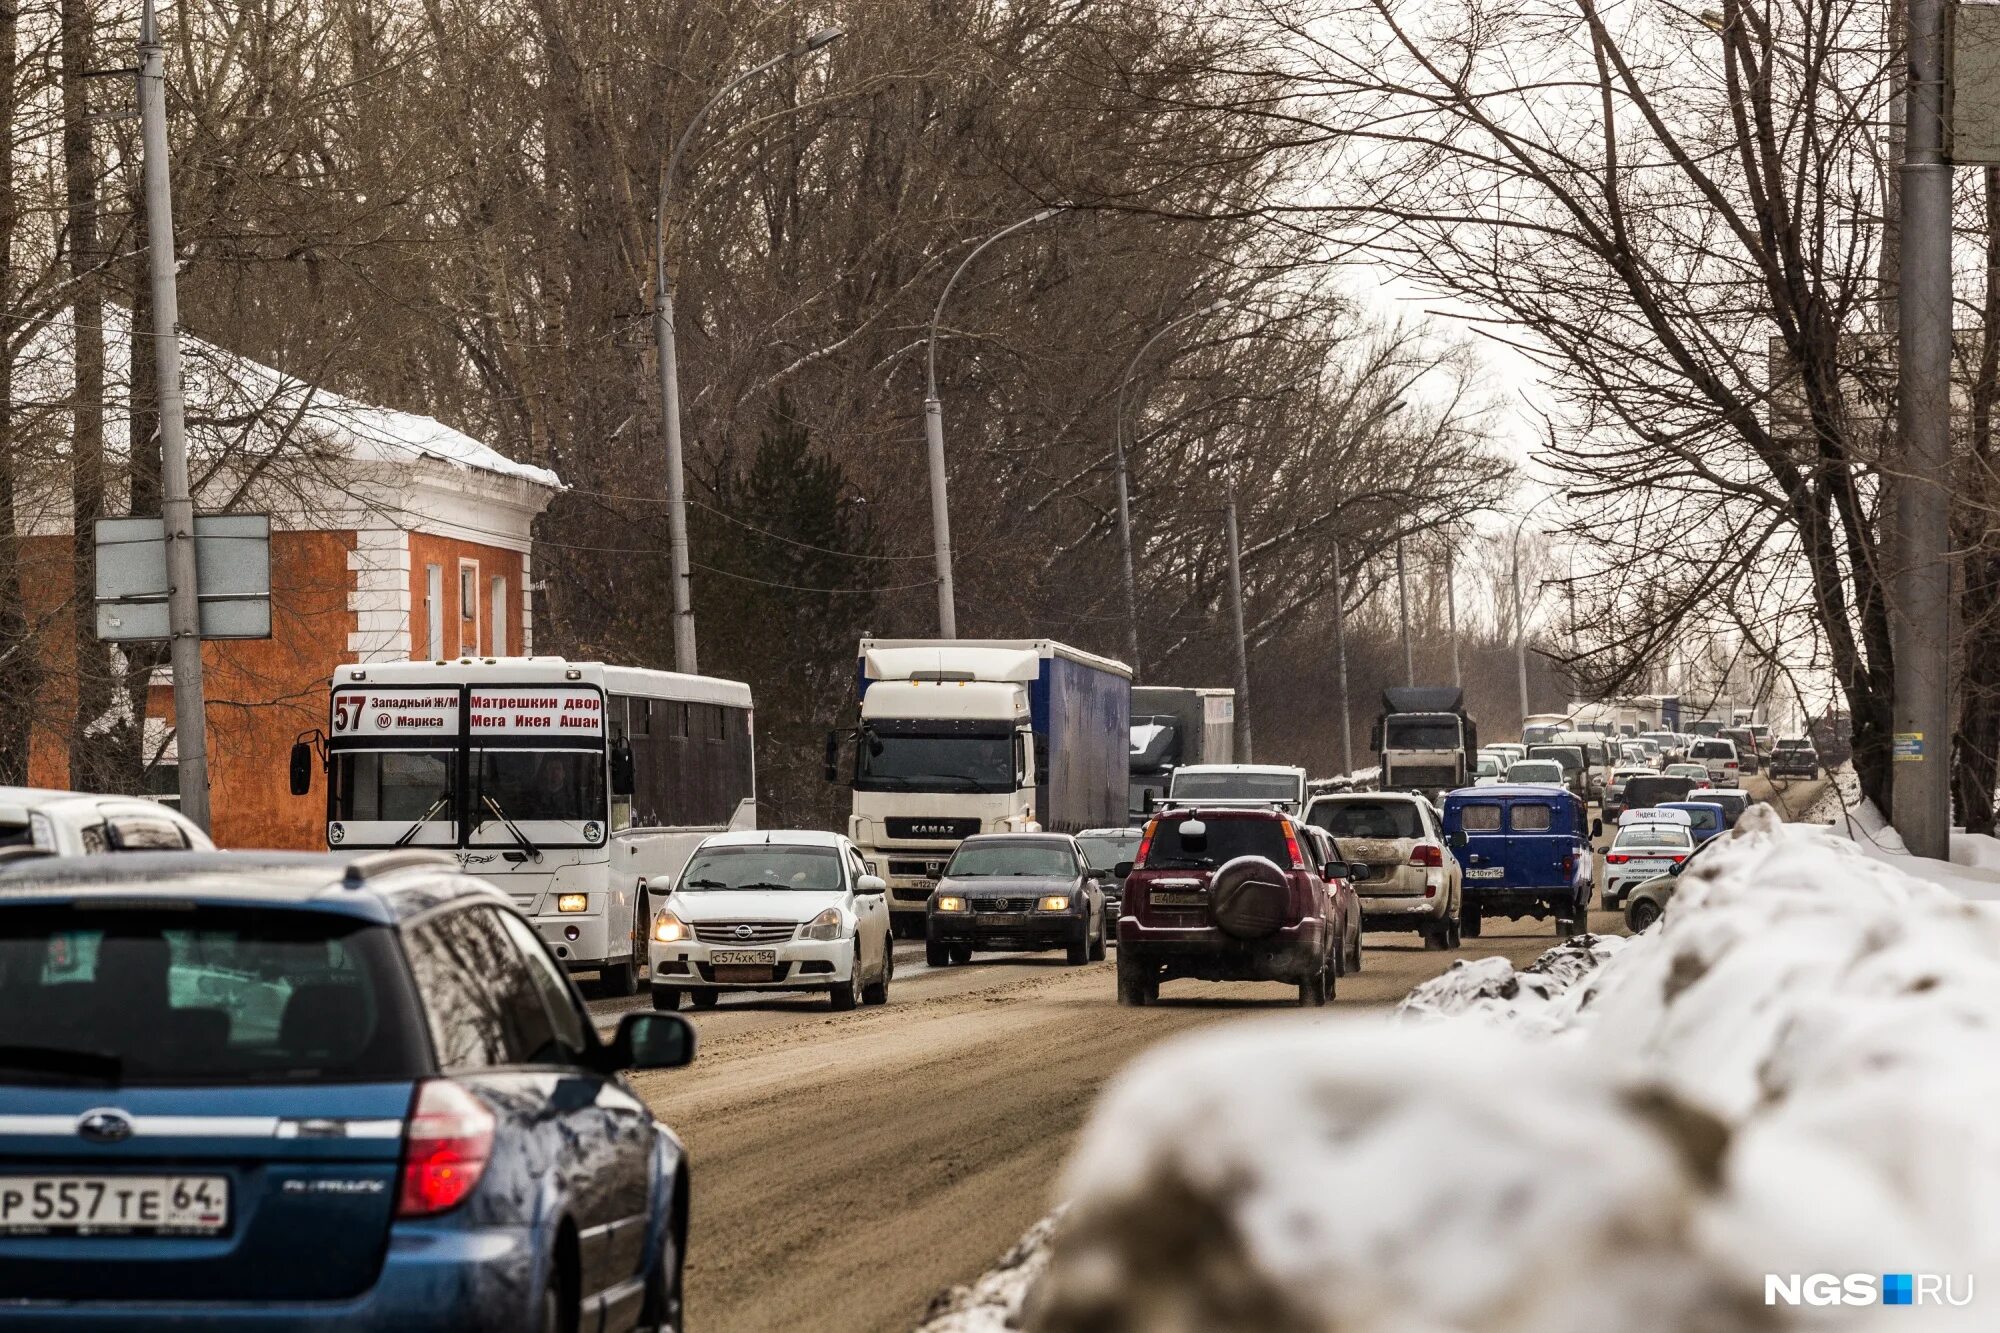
(302, 767)
(621, 767)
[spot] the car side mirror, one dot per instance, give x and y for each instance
(1676, 867)
(871, 884)
(302, 767)
(1596, 828)
(1355, 870)
(1122, 869)
(621, 768)
(651, 1041)
(1455, 840)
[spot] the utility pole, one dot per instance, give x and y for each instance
(1451, 612)
(1243, 746)
(667, 352)
(1520, 623)
(176, 503)
(1403, 608)
(1340, 652)
(1921, 794)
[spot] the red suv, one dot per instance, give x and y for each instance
(1236, 895)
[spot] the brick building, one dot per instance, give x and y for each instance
(393, 535)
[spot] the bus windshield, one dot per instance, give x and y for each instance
(396, 786)
(566, 785)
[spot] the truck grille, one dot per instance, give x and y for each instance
(732, 932)
(929, 828)
(1003, 904)
(917, 869)
(1421, 775)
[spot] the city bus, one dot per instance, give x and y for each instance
(567, 784)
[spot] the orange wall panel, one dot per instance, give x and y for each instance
(463, 636)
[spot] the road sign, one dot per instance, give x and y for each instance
(1908, 747)
(233, 577)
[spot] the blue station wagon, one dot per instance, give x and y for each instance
(269, 1091)
(1526, 852)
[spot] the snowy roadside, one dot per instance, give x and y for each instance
(1793, 1073)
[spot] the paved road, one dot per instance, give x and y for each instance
(848, 1166)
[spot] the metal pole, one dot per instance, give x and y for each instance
(668, 355)
(1921, 795)
(1520, 624)
(1243, 746)
(176, 503)
(1403, 609)
(1451, 613)
(1340, 652)
(934, 428)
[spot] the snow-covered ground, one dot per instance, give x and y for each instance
(1796, 1072)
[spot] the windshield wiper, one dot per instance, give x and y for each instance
(708, 884)
(86, 1066)
(512, 827)
(423, 819)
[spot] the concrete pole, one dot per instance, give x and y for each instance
(1340, 652)
(1124, 549)
(934, 430)
(176, 502)
(1451, 613)
(668, 355)
(1921, 795)
(1520, 623)
(1244, 749)
(1403, 609)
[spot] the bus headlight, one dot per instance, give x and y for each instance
(572, 902)
(669, 929)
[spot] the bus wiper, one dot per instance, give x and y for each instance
(423, 819)
(512, 827)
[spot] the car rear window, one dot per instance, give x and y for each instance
(1479, 818)
(209, 995)
(1715, 750)
(1531, 817)
(1228, 838)
(1653, 835)
(1367, 819)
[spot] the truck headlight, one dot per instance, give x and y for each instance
(572, 902)
(669, 929)
(950, 902)
(1055, 902)
(826, 926)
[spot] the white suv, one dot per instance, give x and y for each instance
(1724, 768)
(773, 910)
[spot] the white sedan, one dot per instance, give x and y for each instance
(774, 910)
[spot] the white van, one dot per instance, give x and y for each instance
(1724, 768)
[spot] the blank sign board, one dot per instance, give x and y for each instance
(232, 575)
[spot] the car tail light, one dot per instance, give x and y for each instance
(1421, 855)
(1145, 842)
(1617, 858)
(1729, 763)
(1292, 848)
(1569, 863)
(445, 1147)
(1678, 857)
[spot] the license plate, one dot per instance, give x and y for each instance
(744, 957)
(1487, 872)
(1178, 899)
(114, 1205)
(1002, 918)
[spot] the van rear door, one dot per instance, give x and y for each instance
(1540, 846)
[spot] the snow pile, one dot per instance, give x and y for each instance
(1540, 999)
(994, 1303)
(1794, 1072)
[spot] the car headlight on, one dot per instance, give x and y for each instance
(670, 929)
(1055, 902)
(826, 926)
(572, 902)
(950, 902)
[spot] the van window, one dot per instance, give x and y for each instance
(1480, 818)
(1532, 817)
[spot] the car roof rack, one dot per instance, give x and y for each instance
(374, 864)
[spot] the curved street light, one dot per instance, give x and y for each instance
(934, 430)
(663, 338)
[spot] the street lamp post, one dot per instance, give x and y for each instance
(663, 338)
(934, 431)
(1124, 484)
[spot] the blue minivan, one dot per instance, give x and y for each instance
(1526, 850)
(260, 1091)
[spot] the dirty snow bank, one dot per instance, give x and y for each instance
(1793, 1073)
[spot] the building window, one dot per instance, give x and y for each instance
(498, 615)
(434, 611)
(468, 607)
